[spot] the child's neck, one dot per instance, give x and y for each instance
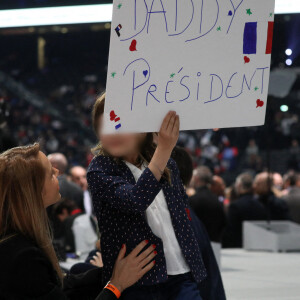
(131, 158)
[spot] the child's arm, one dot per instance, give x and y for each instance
(122, 195)
(167, 139)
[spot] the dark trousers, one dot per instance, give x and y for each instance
(177, 287)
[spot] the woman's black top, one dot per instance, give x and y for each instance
(26, 273)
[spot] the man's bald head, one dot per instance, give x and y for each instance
(58, 161)
(78, 175)
(263, 183)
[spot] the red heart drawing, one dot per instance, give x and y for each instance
(112, 115)
(133, 45)
(246, 59)
(259, 103)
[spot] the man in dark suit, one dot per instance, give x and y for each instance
(245, 208)
(206, 205)
(78, 176)
(276, 208)
(263, 206)
(212, 286)
(293, 197)
(68, 189)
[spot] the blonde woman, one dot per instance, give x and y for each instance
(29, 266)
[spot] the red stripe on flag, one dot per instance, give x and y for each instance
(270, 38)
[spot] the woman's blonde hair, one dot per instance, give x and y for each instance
(147, 148)
(22, 177)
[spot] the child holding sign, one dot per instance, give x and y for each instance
(137, 194)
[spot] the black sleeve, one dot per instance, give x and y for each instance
(34, 276)
(106, 295)
(87, 285)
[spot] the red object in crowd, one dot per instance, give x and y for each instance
(76, 211)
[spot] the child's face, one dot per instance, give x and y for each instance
(121, 145)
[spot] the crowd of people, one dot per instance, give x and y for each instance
(221, 208)
(101, 214)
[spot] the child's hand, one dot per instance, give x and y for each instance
(169, 132)
(97, 260)
(128, 270)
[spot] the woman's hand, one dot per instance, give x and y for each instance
(128, 270)
(169, 132)
(167, 139)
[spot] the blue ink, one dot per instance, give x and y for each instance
(167, 92)
(145, 73)
(234, 12)
(191, 20)
(198, 85)
(262, 78)
(229, 86)
(230, 13)
(133, 83)
(250, 38)
(150, 91)
(180, 70)
(134, 14)
(217, 18)
(211, 88)
(143, 26)
(189, 92)
(176, 13)
(201, 16)
(245, 80)
(157, 12)
(118, 126)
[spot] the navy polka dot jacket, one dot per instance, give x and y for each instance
(120, 204)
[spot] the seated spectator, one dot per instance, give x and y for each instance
(252, 153)
(206, 205)
(244, 208)
(78, 176)
(80, 230)
(68, 190)
(293, 198)
(276, 208)
(29, 266)
(294, 155)
(278, 185)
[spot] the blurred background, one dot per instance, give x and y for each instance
(51, 74)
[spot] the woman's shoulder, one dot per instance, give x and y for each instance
(17, 246)
(16, 242)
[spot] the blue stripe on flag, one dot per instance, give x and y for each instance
(250, 38)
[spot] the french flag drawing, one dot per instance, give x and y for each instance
(250, 38)
(116, 119)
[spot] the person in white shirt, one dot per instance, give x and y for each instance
(78, 176)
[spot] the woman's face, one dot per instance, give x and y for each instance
(121, 145)
(50, 191)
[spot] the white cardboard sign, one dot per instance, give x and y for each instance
(209, 60)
